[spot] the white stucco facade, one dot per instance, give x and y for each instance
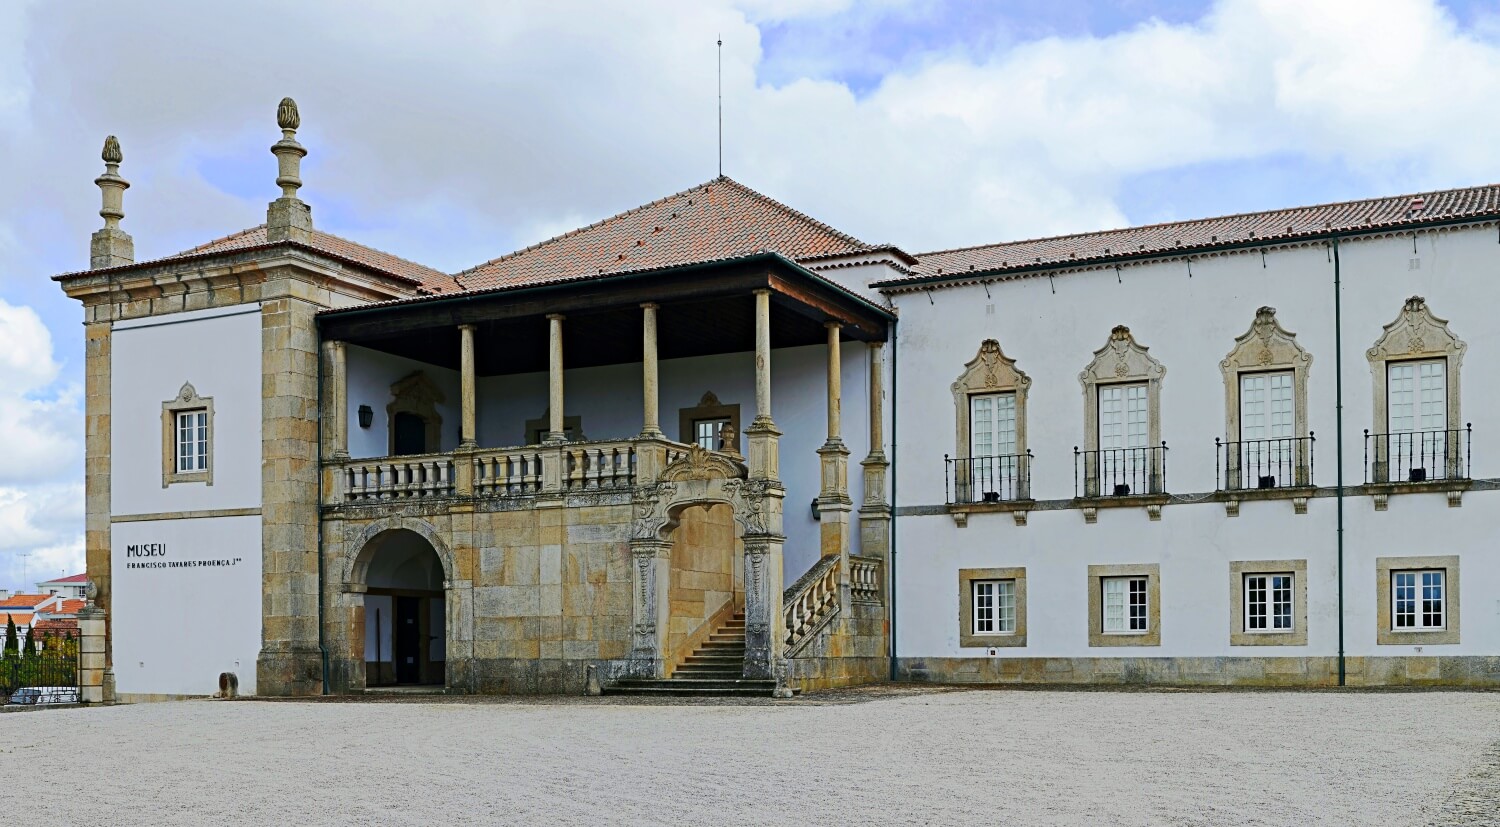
(1051, 328)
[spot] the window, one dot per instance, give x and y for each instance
(1415, 365)
(1123, 437)
(992, 607)
(706, 431)
(1268, 444)
(1417, 600)
(701, 424)
(1124, 604)
(989, 401)
(1267, 430)
(187, 438)
(992, 437)
(1417, 422)
(1123, 451)
(1268, 603)
(192, 441)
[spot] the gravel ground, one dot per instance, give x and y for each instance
(879, 756)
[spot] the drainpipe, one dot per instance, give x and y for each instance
(318, 507)
(895, 361)
(1338, 385)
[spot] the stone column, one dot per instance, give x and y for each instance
(765, 631)
(650, 579)
(98, 360)
(762, 433)
(91, 654)
(875, 512)
(290, 660)
(556, 432)
(335, 401)
(651, 418)
(466, 385)
(834, 505)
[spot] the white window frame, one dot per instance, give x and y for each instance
(1419, 584)
(1270, 599)
(190, 459)
(713, 439)
(192, 441)
(994, 606)
(1132, 586)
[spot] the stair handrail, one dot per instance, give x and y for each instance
(809, 603)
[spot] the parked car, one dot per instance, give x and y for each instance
(44, 695)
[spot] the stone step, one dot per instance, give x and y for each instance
(692, 686)
(706, 658)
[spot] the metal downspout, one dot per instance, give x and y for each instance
(895, 361)
(1338, 384)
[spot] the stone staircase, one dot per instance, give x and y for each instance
(713, 669)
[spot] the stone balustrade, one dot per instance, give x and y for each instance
(866, 579)
(574, 467)
(398, 478)
(811, 601)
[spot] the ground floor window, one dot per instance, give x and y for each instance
(1268, 602)
(992, 607)
(1125, 605)
(1417, 600)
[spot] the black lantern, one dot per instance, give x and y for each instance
(366, 416)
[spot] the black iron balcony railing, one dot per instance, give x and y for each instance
(988, 479)
(1284, 462)
(1120, 472)
(1418, 456)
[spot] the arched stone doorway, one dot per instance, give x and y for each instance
(706, 583)
(402, 639)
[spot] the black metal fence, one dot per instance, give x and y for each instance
(46, 668)
(988, 479)
(1264, 463)
(1120, 472)
(1418, 456)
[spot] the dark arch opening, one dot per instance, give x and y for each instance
(405, 616)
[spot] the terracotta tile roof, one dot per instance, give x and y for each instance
(721, 219)
(340, 247)
(55, 626)
(18, 618)
(1182, 236)
(425, 278)
(24, 601)
(64, 607)
(72, 578)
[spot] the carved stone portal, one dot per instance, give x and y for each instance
(990, 371)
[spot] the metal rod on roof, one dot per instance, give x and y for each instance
(720, 105)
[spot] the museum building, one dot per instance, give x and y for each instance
(1233, 451)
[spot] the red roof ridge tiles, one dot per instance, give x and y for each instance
(714, 228)
(1199, 233)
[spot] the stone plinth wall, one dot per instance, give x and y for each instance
(849, 651)
(536, 589)
(1472, 671)
(706, 573)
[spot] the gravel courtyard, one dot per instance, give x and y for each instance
(878, 756)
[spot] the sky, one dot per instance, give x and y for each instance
(451, 132)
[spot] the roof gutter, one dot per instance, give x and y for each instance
(1326, 236)
(529, 290)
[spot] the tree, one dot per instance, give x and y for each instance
(28, 649)
(12, 643)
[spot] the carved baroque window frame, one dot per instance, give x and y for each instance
(1122, 361)
(187, 399)
(708, 407)
(990, 371)
(1416, 334)
(1265, 348)
(418, 395)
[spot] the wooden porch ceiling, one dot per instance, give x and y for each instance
(704, 311)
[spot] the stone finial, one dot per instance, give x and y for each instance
(1415, 304)
(287, 218)
(111, 246)
(1120, 333)
(287, 116)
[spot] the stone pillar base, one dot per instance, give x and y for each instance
(294, 672)
(765, 457)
